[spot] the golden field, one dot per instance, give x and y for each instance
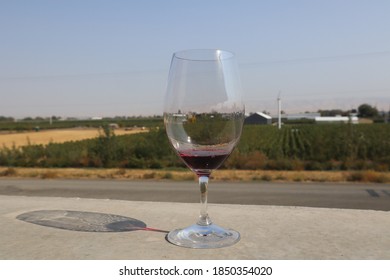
(18, 139)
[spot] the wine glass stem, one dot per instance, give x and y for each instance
(204, 219)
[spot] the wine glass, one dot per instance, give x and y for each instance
(203, 116)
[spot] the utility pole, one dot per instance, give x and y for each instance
(279, 112)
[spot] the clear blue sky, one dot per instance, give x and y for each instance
(107, 58)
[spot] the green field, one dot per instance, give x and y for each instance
(315, 147)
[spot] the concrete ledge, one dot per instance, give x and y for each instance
(267, 232)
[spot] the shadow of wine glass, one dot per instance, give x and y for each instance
(84, 221)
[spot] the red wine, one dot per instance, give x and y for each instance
(203, 162)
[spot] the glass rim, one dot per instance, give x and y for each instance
(203, 55)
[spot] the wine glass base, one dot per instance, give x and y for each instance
(203, 237)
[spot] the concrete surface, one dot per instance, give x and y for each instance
(267, 232)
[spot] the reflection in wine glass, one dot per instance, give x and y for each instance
(203, 116)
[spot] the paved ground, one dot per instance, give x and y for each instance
(328, 195)
(80, 228)
(110, 219)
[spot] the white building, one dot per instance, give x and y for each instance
(308, 116)
(352, 119)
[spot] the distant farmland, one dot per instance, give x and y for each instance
(309, 147)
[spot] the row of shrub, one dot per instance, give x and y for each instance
(302, 147)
